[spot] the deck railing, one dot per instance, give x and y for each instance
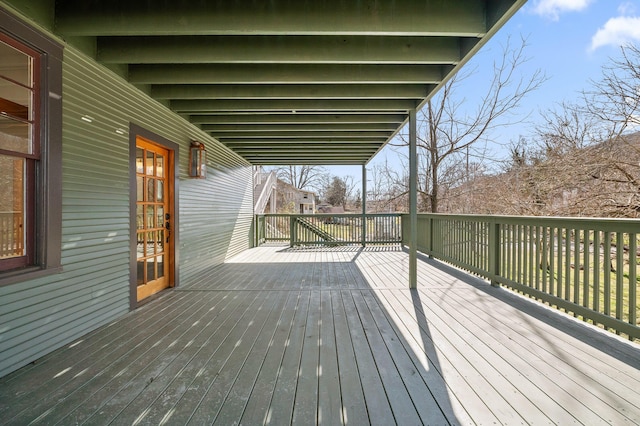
(11, 234)
(329, 229)
(588, 267)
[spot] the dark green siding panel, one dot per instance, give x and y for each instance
(41, 315)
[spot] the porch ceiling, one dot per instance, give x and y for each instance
(288, 82)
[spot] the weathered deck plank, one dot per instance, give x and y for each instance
(280, 409)
(257, 404)
(331, 336)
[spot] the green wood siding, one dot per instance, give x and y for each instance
(41, 315)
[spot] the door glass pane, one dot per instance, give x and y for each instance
(149, 215)
(151, 244)
(160, 242)
(151, 270)
(140, 279)
(151, 189)
(140, 217)
(149, 169)
(160, 197)
(159, 166)
(140, 185)
(160, 260)
(140, 245)
(12, 211)
(139, 160)
(160, 216)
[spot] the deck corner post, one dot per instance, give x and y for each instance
(256, 235)
(292, 230)
(413, 200)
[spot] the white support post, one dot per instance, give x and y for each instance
(413, 201)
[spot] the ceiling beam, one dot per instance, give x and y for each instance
(249, 129)
(292, 151)
(241, 119)
(285, 155)
(291, 91)
(305, 162)
(239, 143)
(291, 105)
(284, 74)
(466, 18)
(252, 49)
(228, 136)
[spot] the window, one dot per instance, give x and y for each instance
(30, 157)
(19, 152)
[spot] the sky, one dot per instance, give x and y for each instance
(568, 40)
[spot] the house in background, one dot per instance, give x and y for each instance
(294, 200)
(273, 195)
(129, 131)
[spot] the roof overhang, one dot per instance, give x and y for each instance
(288, 82)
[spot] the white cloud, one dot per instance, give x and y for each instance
(617, 32)
(553, 8)
(627, 8)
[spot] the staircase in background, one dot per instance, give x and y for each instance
(307, 225)
(263, 186)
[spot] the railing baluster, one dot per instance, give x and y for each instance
(633, 281)
(567, 266)
(576, 268)
(607, 273)
(596, 271)
(585, 271)
(619, 274)
(550, 270)
(541, 259)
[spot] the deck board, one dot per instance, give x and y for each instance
(282, 335)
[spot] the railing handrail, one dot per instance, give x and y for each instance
(602, 223)
(333, 214)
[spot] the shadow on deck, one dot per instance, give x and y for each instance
(333, 336)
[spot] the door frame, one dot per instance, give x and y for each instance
(136, 131)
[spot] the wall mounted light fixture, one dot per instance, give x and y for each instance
(197, 160)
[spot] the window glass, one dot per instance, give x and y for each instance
(12, 211)
(15, 65)
(16, 95)
(14, 135)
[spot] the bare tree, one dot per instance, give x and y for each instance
(386, 188)
(448, 138)
(590, 149)
(350, 184)
(301, 177)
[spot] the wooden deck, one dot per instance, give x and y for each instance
(333, 336)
